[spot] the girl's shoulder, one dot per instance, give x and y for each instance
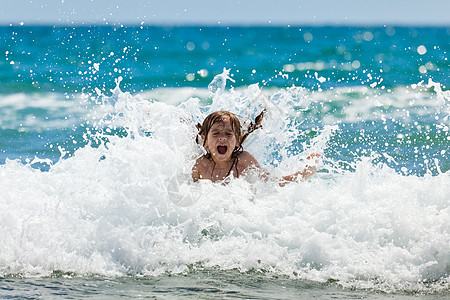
(247, 160)
(202, 167)
(244, 154)
(202, 161)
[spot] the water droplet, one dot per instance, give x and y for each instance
(421, 50)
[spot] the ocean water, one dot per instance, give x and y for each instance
(97, 140)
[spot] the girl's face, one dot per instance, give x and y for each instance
(221, 141)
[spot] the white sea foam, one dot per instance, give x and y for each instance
(128, 206)
(38, 112)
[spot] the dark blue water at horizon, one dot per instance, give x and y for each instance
(52, 58)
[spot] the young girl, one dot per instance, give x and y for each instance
(222, 139)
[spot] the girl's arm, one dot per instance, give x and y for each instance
(250, 163)
(304, 175)
(195, 173)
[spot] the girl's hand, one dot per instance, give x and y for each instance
(313, 161)
(312, 156)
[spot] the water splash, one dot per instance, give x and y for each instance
(126, 205)
(219, 82)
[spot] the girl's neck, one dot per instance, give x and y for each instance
(222, 164)
(222, 169)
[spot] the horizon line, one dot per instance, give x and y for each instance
(223, 24)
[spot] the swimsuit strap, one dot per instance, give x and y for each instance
(233, 165)
(231, 168)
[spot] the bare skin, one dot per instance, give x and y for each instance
(220, 142)
(204, 168)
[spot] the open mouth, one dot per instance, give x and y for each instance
(222, 149)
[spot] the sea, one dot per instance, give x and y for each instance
(98, 139)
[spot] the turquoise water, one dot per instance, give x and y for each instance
(97, 139)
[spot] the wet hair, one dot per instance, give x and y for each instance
(220, 117)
